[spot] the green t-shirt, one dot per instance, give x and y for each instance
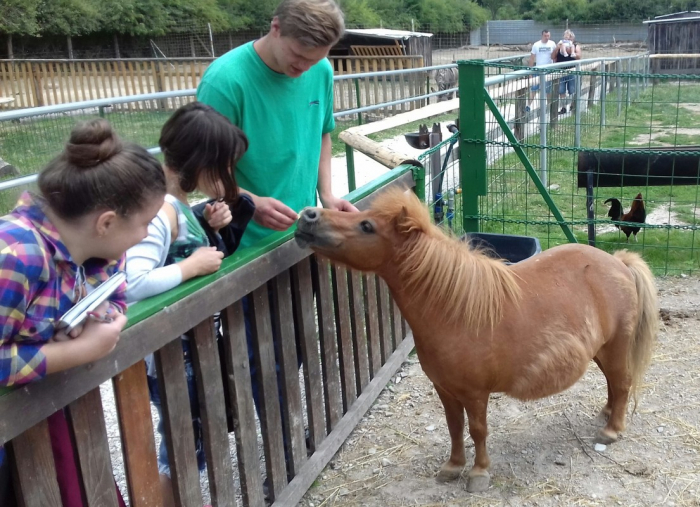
(284, 119)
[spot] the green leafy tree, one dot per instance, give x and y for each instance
(68, 17)
(184, 14)
(359, 13)
(19, 17)
(133, 17)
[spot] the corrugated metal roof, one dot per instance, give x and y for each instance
(386, 33)
(675, 17)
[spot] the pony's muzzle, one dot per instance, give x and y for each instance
(306, 226)
(309, 216)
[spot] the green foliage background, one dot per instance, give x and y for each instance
(158, 17)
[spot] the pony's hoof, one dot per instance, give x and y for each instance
(478, 482)
(606, 436)
(449, 473)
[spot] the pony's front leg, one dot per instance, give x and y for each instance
(476, 412)
(454, 413)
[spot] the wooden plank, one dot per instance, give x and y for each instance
(384, 319)
(98, 87)
(385, 86)
(34, 83)
(87, 417)
(396, 323)
(359, 332)
(298, 487)
(346, 360)
(143, 80)
(125, 80)
(241, 400)
(372, 323)
(212, 410)
(402, 92)
(132, 78)
(286, 349)
(107, 79)
(368, 92)
(308, 338)
(136, 431)
(36, 484)
(329, 348)
(26, 93)
(56, 84)
(16, 77)
(375, 83)
(5, 83)
(270, 417)
(88, 80)
(193, 73)
(177, 418)
(392, 78)
(339, 87)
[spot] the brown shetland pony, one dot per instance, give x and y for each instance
(481, 326)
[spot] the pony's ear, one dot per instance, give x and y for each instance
(405, 223)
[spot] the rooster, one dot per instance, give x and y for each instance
(637, 214)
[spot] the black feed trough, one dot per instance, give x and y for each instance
(417, 141)
(509, 247)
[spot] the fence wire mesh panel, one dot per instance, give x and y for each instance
(443, 193)
(603, 152)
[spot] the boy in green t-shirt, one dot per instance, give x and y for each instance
(279, 91)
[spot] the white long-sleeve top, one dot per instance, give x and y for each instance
(146, 273)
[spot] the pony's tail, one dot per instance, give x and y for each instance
(647, 321)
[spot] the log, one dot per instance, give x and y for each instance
(385, 156)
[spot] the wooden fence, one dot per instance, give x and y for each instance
(351, 337)
(350, 94)
(34, 83)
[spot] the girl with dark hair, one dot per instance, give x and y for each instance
(201, 149)
(95, 201)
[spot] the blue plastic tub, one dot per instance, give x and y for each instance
(504, 246)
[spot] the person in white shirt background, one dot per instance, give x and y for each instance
(541, 54)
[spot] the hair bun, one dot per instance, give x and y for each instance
(91, 143)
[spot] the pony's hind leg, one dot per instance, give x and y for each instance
(476, 412)
(607, 408)
(454, 413)
(619, 382)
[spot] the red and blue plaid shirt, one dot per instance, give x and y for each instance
(38, 283)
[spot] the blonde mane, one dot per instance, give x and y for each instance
(453, 279)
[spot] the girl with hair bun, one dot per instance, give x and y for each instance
(95, 200)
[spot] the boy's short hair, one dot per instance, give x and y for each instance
(545, 31)
(569, 32)
(314, 23)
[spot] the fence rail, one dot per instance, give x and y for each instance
(38, 83)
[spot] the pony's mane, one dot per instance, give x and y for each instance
(452, 278)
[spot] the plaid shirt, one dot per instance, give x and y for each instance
(38, 283)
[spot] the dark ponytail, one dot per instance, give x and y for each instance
(97, 170)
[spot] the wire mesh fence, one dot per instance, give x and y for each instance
(580, 152)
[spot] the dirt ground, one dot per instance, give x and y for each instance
(542, 452)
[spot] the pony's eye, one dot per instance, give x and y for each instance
(366, 226)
